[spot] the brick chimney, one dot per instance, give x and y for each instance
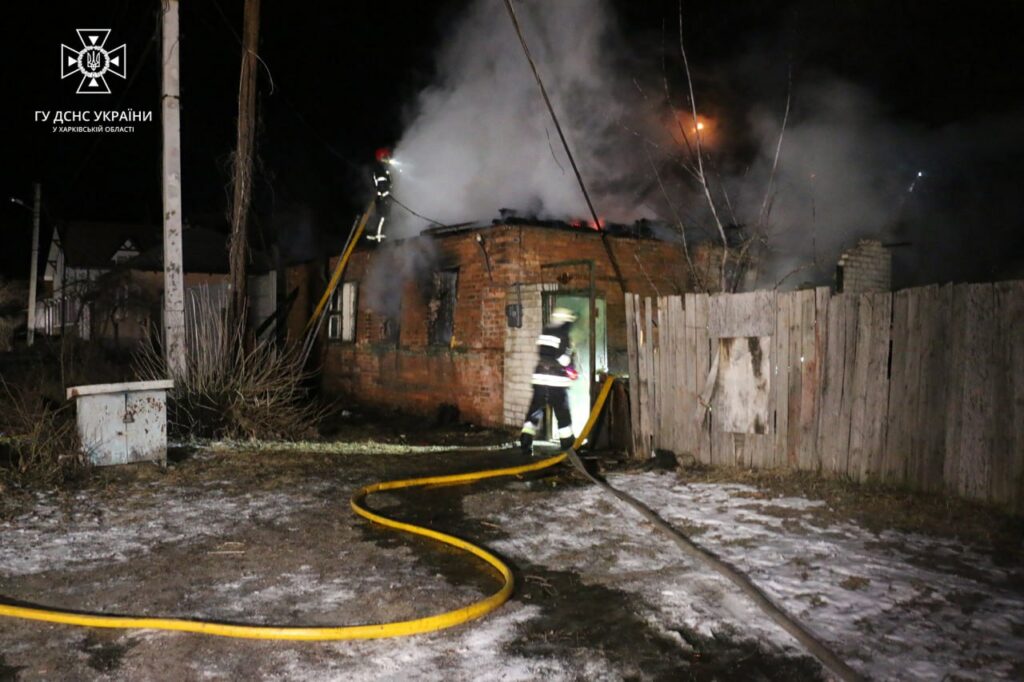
(865, 267)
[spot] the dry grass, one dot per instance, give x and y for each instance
(40, 438)
(12, 294)
(233, 389)
(13, 297)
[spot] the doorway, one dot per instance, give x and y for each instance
(589, 340)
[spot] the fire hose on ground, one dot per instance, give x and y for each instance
(458, 616)
(395, 629)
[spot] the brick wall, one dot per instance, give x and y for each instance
(521, 352)
(865, 267)
(485, 369)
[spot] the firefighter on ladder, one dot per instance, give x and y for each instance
(382, 185)
(551, 379)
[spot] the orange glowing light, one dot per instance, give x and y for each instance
(687, 126)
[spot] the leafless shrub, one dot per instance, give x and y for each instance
(40, 436)
(13, 297)
(12, 293)
(7, 326)
(231, 388)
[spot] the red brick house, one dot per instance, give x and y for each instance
(452, 316)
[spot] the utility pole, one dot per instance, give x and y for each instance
(238, 249)
(37, 205)
(170, 104)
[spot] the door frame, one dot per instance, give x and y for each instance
(588, 291)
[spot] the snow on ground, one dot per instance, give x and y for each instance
(890, 604)
(58, 534)
(894, 605)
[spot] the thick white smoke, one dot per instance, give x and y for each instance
(842, 174)
(480, 138)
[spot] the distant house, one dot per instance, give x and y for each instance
(451, 317)
(105, 280)
(81, 259)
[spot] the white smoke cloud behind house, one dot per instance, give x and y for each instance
(480, 139)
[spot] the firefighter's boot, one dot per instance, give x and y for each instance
(566, 443)
(526, 443)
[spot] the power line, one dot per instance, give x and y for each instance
(418, 215)
(565, 143)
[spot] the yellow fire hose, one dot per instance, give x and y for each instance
(395, 629)
(345, 254)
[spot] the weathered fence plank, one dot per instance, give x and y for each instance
(780, 372)
(975, 476)
(813, 335)
(902, 398)
(632, 322)
(913, 419)
(934, 382)
(878, 383)
(1010, 313)
(692, 420)
(703, 358)
(908, 415)
(1002, 396)
(924, 387)
(857, 465)
(749, 314)
(795, 375)
(682, 410)
(959, 356)
(832, 388)
(646, 347)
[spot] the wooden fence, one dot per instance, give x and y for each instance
(922, 387)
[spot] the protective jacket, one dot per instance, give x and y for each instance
(554, 367)
(382, 180)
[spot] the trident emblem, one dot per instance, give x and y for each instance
(93, 61)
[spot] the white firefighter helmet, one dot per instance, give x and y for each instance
(562, 315)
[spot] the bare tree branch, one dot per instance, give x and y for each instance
(682, 228)
(766, 205)
(700, 154)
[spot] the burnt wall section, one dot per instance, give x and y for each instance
(393, 363)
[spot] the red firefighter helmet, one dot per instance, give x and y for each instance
(383, 154)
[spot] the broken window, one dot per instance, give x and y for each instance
(341, 314)
(389, 331)
(441, 314)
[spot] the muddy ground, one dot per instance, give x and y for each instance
(267, 537)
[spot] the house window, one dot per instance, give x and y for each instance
(441, 316)
(341, 314)
(389, 331)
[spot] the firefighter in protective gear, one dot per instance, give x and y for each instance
(382, 186)
(551, 379)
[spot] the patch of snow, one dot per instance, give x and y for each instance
(88, 530)
(881, 601)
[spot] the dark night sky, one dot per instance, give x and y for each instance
(344, 72)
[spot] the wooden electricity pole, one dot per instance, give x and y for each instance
(174, 294)
(37, 204)
(238, 249)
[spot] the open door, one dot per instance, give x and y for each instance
(589, 341)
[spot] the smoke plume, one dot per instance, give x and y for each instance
(480, 139)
